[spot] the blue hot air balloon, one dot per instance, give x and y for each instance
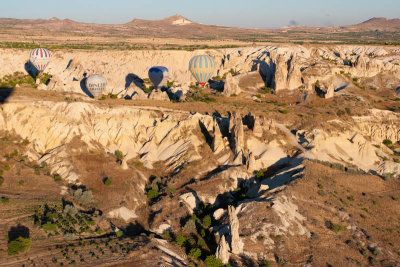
(158, 76)
(202, 68)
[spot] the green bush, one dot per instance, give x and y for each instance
(107, 181)
(170, 84)
(7, 168)
(118, 233)
(212, 261)
(18, 245)
(284, 111)
(259, 174)
(119, 155)
(207, 221)
(1, 180)
(57, 177)
(5, 200)
(180, 239)
(387, 142)
(49, 226)
(195, 253)
(152, 194)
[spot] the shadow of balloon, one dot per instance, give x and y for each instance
(5, 92)
(18, 231)
(133, 78)
(84, 88)
(31, 69)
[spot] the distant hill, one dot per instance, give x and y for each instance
(180, 27)
(376, 24)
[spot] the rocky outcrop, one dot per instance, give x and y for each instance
(223, 251)
(218, 144)
(236, 243)
(231, 86)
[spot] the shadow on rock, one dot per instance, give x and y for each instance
(133, 78)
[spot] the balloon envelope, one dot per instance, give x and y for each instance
(159, 76)
(40, 58)
(96, 84)
(202, 68)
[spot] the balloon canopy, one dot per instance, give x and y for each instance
(40, 58)
(96, 84)
(202, 68)
(159, 76)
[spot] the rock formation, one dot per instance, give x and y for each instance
(236, 243)
(223, 251)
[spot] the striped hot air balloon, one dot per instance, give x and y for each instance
(96, 84)
(40, 58)
(202, 68)
(158, 76)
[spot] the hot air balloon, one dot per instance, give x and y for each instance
(40, 58)
(159, 76)
(202, 68)
(96, 84)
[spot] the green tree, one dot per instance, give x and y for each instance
(212, 261)
(195, 253)
(18, 245)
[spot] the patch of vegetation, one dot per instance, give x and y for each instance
(387, 142)
(83, 197)
(337, 228)
(107, 181)
(260, 174)
(67, 222)
(19, 245)
(284, 111)
(1, 180)
(268, 90)
(170, 84)
(212, 261)
(17, 78)
(5, 200)
(57, 177)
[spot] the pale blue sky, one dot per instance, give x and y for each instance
(241, 13)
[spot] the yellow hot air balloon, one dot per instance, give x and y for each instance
(202, 68)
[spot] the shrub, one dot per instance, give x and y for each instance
(180, 239)
(1, 180)
(284, 111)
(69, 236)
(85, 197)
(69, 209)
(170, 84)
(49, 226)
(118, 233)
(207, 221)
(387, 142)
(195, 253)
(7, 168)
(152, 194)
(212, 261)
(107, 181)
(259, 174)
(21, 183)
(18, 245)
(119, 155)
(57, 177)
(5, 200)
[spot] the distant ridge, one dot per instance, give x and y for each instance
(175, 26)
